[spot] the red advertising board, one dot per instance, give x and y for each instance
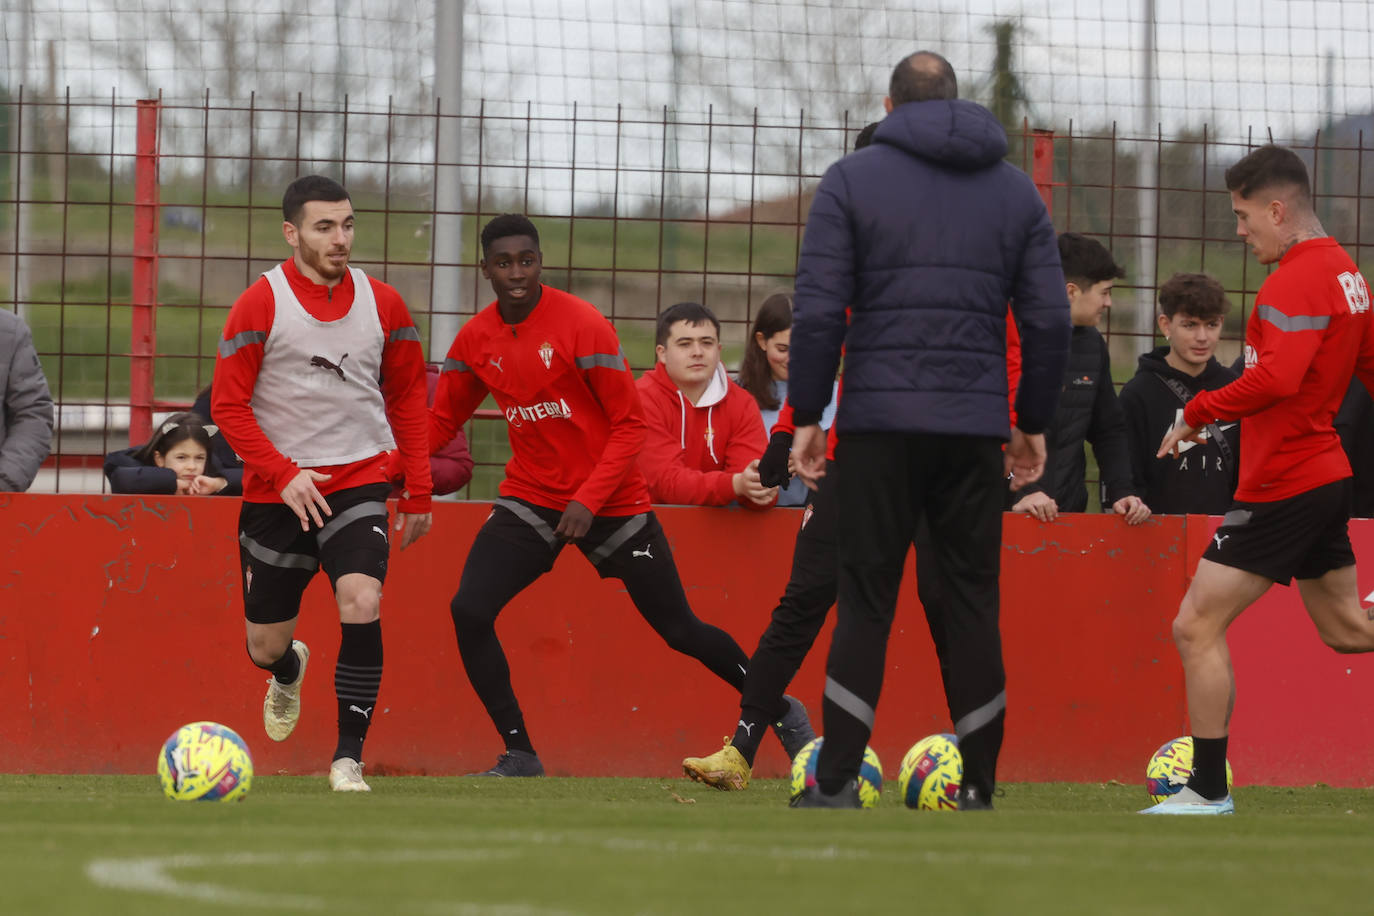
(120, 619)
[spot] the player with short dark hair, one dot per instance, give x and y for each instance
(307, 188)
(1267, 168)
(320, 374)
(507, 225)
(554, 365)
(1310, 331)
(1202, 479)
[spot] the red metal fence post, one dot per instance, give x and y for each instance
(143, 326)
(1042, 166)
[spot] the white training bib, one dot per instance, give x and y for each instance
(318, 395)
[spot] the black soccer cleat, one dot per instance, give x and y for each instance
(813, 797)
(970, 799)
(515, 763)
(794, 728)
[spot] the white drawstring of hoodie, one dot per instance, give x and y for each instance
(682, 427)
(710, 412)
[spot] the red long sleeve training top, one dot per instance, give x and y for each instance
(1310, 329)
(572, 412)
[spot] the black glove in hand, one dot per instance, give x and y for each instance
(773, 465)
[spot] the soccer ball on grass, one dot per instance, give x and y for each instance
(931, 774)
(870, 772)
(205, 761)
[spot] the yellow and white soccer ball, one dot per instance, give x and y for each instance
(205, 761)
(870, 772)
(1170, 767)
(931, 774)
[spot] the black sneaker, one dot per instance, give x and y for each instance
(970, 799)
(813, 797)
(515, 763)
(794, 728)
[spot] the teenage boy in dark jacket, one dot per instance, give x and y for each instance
(1088, 409)
(1202, 478)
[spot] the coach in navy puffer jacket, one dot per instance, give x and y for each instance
(923, 237)
(928, 293)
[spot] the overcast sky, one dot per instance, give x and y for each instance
(1261, 65)
(1234, 64)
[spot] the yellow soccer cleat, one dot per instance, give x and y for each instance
(726, 769)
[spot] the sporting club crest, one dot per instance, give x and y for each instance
(546, 354)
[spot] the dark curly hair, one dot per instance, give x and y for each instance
(1197, 295)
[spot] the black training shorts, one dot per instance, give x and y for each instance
(277, 559)
(617, 545)
(1302, 537)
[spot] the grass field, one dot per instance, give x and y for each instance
(113, 845)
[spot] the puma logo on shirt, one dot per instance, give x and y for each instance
(324, 363)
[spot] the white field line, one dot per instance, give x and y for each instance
(153, 875)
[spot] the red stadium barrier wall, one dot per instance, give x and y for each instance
(120, 619)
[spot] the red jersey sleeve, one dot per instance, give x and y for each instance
(1013, 361)
(403, 391)
(608, 376)
(236, 373)
(457, 395)
(1285, 339)
(784, 424)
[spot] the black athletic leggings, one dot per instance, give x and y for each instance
(516, 545)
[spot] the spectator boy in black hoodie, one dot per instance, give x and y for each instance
(1203, 476)
(1088, 410)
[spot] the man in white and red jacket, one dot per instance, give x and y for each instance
(320, 375)
(704, 434)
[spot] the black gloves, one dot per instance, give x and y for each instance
(773, 465)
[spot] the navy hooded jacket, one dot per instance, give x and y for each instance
(925, 236)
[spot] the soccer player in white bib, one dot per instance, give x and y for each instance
(320, 375)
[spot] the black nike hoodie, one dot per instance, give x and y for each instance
(1201, 479)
